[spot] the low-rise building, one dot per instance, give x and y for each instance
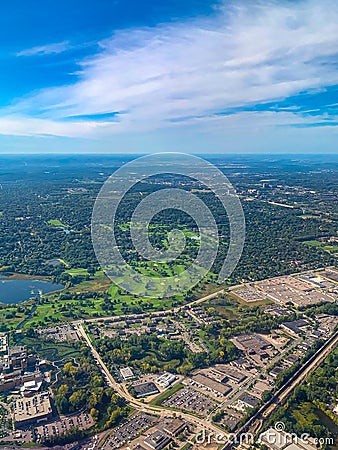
(3, 343)
(157, 440)
(232, 374)
(145, 390)
(176, 427)
(291, 359)
(15, 380)
(206, 382)
(295, 327)
(248, 401)
(166, 379)
(276, 371)
(126, 373)
(27, 411)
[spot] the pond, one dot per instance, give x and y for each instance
(18, 291)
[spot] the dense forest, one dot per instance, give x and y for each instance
(46, 214)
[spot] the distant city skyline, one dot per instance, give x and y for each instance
(194, 76)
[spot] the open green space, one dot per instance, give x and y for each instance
(322, 245)
(158, 400)
(10, 317)
(77, 272)
(54, 310)
(93, 297)
(49, 350)
(57, 223)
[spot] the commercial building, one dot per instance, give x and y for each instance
(252, 343)
(206, 382)
(296, 327)
(217, 375)
(231, 373)
(17, 359)
(126, 373)
(11, 381)
(330, 275)
(157, 440)
(248, 401)
(27, 411)
(145, 390)
(176, 427)
(3, 343)
(277, 370)
(291, 359)
(166, 379)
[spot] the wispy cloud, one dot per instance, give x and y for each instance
(49, 49)
(193, 73)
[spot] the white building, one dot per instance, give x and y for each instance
(126, 373)
(166, 379)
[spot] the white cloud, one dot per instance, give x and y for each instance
(49, 49)
(184, 74)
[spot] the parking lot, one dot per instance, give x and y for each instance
(129, 430)
(82, 421)
(190, 400)
(60, 333)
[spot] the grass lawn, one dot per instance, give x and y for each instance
(62, 261)
(126, 300)
(77, 272)
(56, 223)
(57, 310)
(10, 317)
(322, 245)
(98, 283)
(158, 400)
(54, 310)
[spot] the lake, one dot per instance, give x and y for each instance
(18, 291)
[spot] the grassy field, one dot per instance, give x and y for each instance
(331, 248)
(128, 300)
(263, 302)
(10, 317)
(88, 299)
(57, 310)
(158, 400)
(54, 309)
(56, 223)
(77, 272)
(98, 283)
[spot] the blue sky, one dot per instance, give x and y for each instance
(169, 75)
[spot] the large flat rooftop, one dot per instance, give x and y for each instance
(32, 408)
